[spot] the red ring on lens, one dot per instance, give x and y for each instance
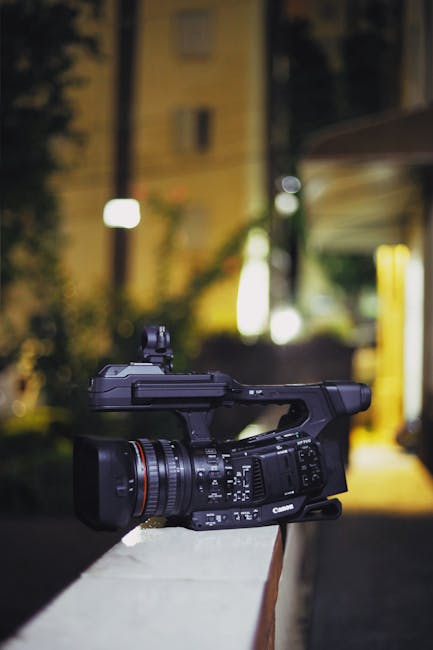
(143, 460)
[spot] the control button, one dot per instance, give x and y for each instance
(305, 480)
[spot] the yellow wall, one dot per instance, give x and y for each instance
(215, 181)
(226, 183)
(391, 264)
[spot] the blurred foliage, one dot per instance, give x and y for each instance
(51, 342)
(178, 311)
(69, 343)
(35, 474)
(350, 271)
(41, 40)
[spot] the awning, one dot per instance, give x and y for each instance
(359, 181)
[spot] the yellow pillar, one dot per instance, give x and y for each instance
(391, 263)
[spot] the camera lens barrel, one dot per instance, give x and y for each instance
(163, 478)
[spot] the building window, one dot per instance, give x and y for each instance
(192, 129)
(194, 33)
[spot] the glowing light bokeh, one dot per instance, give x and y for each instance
(257, 244)
(122, 213)
(253, 291)
(291, 184)
(286, 324)
(286, 204)
(413, 331)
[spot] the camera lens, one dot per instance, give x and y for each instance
(163, 478)
(116, 481)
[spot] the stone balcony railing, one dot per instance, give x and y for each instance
(165, 588)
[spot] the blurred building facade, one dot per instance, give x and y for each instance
(193, 133)
(199, 130)
(368, 188)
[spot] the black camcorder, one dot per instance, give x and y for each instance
(280, 476)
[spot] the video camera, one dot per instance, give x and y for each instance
(283, 475)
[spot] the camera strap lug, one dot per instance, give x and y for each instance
(320, 510)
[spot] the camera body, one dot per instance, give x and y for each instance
(283, 475)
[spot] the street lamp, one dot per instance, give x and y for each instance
(121, 215)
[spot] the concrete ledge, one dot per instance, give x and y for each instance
(166, 588)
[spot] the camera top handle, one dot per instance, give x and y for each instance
(145, 387)
(151, 385)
